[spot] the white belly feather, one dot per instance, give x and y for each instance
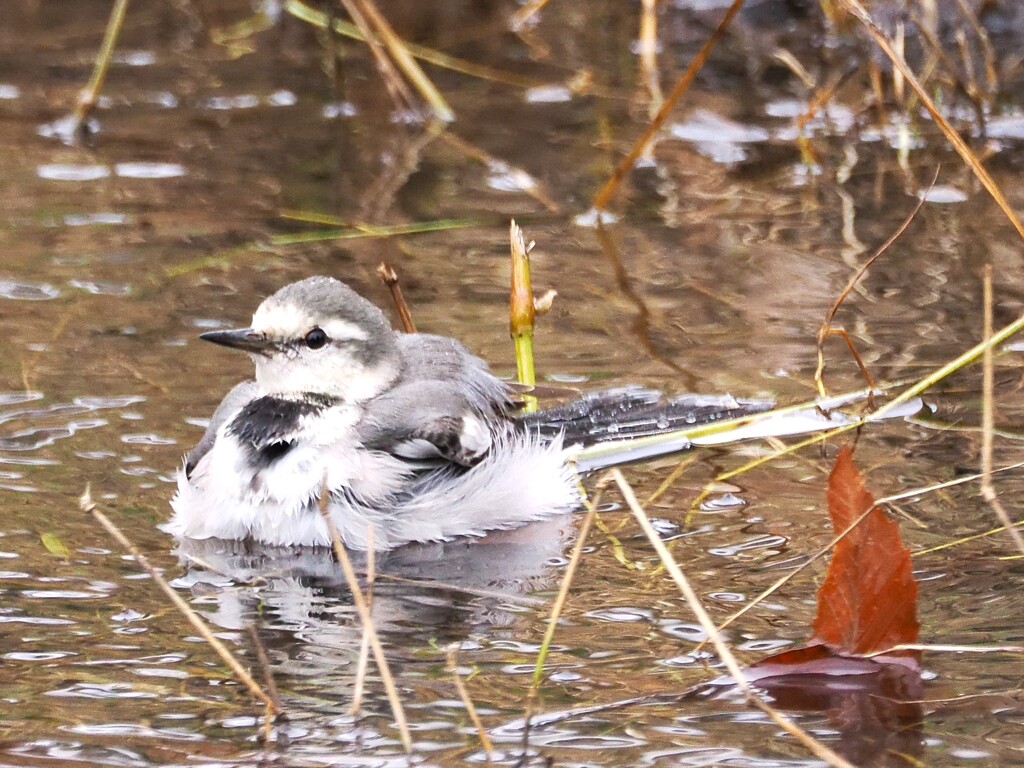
(229, 497)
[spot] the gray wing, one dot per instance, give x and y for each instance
(428, 420)
(426, 357)
(239, 395)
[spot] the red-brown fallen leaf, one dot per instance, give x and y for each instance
(868, 601)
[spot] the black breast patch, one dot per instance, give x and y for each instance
(267, 424)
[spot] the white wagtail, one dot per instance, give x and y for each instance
(409, 434)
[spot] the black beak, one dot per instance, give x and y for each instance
(245, 339)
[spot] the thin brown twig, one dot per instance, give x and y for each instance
(390, 278)
(681, 87)
(90, 507)
(363, 609)
(827, 328)
(814, 746)
(988, 54)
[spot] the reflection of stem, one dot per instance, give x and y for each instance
(87, 98)
(682, 85)
(90, 507)
(954, 138)
(642, 324)
(396, 86)
(988, 491)
(363, 609)
(520, 17)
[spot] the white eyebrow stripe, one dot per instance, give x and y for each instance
(342, 330)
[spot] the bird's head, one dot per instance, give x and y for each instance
(318, 336)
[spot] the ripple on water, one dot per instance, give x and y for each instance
(149, 170)
(135, 729)
(38, 655)
(147, 439)
(34, 620)
(25, 291)
(72, 172)
(102, 287)
(620, 614)
(96, 403)
(16, 398)
(61, 594)
(87, 219)
(101, 691)
(71, 751)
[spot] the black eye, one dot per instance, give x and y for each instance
(316, 338)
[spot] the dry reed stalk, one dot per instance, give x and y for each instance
(404, 60)
(363, 609)
(90, 507)
(603, 196)
(556, 611)
(563, 594)
(264, 661)
(87, 97)
(988, 491)
(951, 134)
(814, 746)
(363, 663)
(467, 702)
(397, 87)
(306, 13)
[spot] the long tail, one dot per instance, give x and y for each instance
(623, 416)
(622, 425)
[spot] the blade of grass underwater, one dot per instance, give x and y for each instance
(358, 231)
(312, 16)
(229, 256)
